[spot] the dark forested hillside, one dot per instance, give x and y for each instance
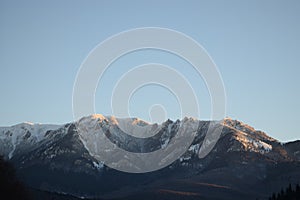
(289, 193)
(10, 186)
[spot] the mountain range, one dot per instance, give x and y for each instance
(59, 159)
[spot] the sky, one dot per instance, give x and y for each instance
(255, 45)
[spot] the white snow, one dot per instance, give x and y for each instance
(253, 144)
(194, 148)
(92, 132)
(19, 131)
(132, 126)
(98, 165)
(165, 143)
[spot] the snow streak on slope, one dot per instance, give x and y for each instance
(133, 145)
(251, 140)
(18, 137)
(23, 133)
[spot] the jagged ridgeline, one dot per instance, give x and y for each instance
(244, 163)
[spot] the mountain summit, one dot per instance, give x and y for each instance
(244, 163)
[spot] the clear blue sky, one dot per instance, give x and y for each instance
(255, 45)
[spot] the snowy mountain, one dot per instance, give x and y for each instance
(23, 136)
(244, 163)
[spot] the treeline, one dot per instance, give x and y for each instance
(289, 193)
(13, 189)
(10, 187)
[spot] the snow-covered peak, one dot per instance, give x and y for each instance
(189, 119)
(97, 116)
(36, 130)
(132, 121)
(249, 138)
(132, 126)
(238, 125)
(30, 133)
(23, 133)
(28, 123)
(245, 128)
(115, 120)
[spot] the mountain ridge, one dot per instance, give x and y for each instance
(247, 161)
